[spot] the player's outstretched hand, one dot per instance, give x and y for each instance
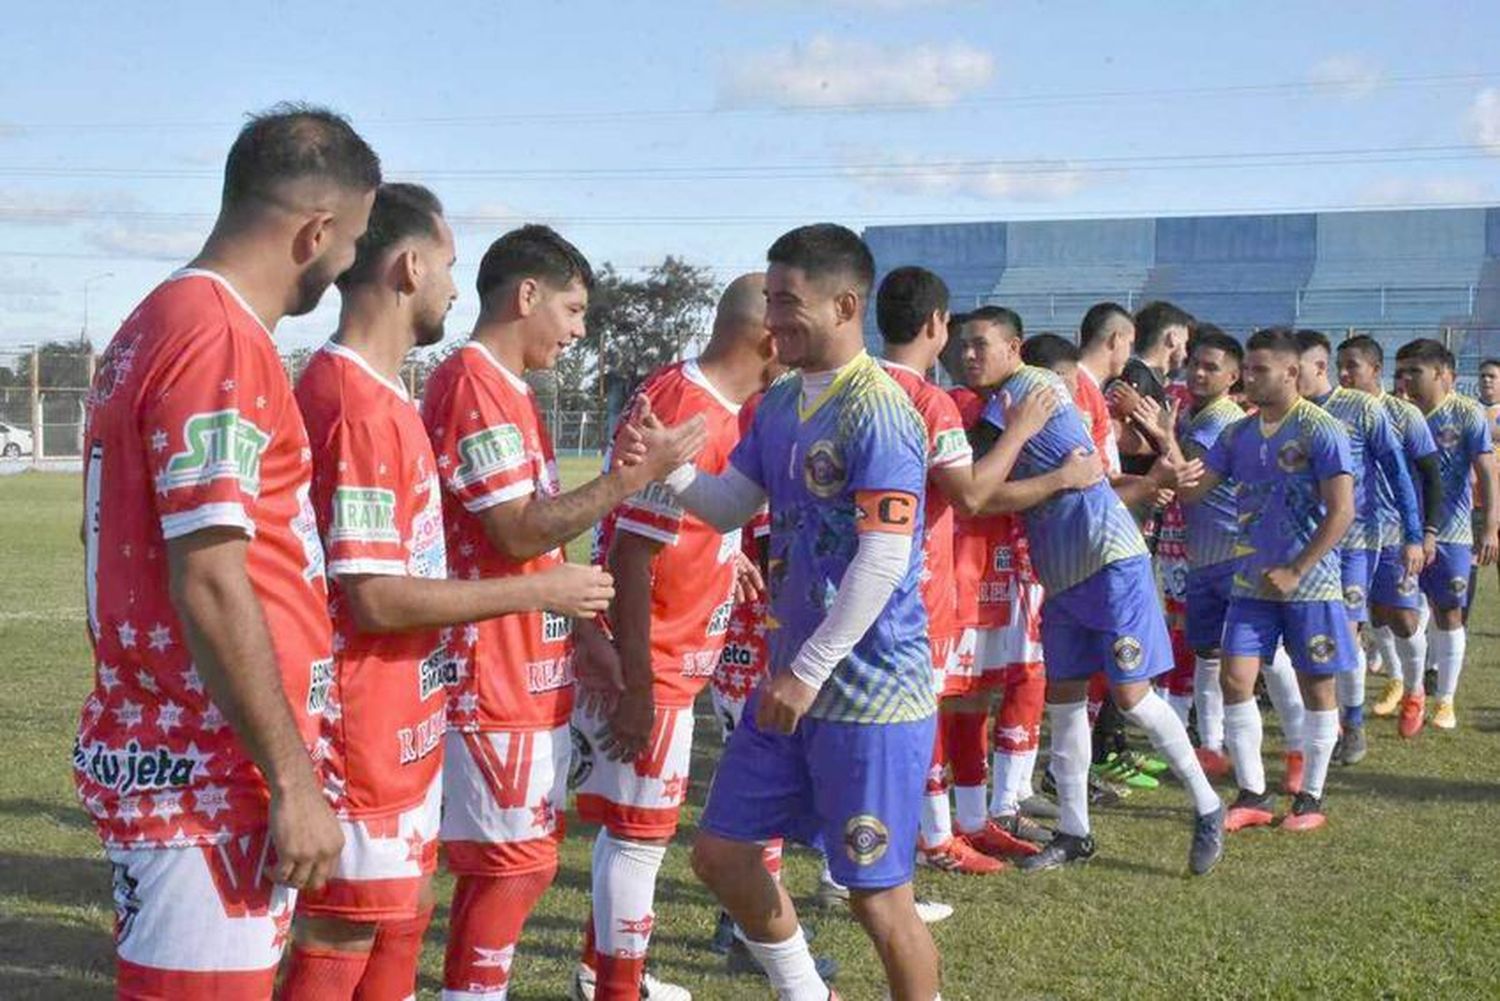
(577, 590)
(1489, 550)
(629, 448)
(1123, 399)
(1283, 580)
(596, 667)
(1030, 415)
(627, 729)
(666, 448)
(748, 583)
(784, 700)
(1081, 469)
(305, 835)
(1176, 473)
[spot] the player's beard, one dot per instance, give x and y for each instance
(430, 331)
(311, 285)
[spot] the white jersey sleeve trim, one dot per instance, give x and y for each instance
(474, 505)
(374, 568)
(221, 515)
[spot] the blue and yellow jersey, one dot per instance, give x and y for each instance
(1415, 438)
(1277, 474)
(1075, 533)
(862, 434)
(1370, 438)
(1213, 522)
(1461, 430)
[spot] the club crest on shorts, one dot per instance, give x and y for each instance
(1406, 585)
(1354, 597)
(1458, 585)
(1321, 648)
(1292, 456)
(865, 839)
(127, 901)
(824, 470)
(581, 765)
(1128, 654)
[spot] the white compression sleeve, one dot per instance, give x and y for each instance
(877, 567)
(725, 501)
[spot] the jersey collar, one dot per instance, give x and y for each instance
(354, 357)
(693, 372)
(519, 384)
(223, 283)
(806, 411)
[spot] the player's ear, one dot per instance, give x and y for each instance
(408, 266)
(847, 306)
(528, 294)
(312, 237)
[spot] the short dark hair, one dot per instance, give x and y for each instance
(1210, 336)
(533, 251)
(907, 299)
(1490, 363)
(1152, 321)
(400, 211)
(289, 142)
(823, 249)
(1426, 351)
(1094, 321)
(1000, 316)
(1364, 344)
(1309, 340)
(1280, 340)
(1047, 350)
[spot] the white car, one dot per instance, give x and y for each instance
(14, 442)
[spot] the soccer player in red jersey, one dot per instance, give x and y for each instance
(379, 509)
(507, 748)
(206, 601)
(670, 617)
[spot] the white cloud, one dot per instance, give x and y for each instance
(1425, 190)
(146, 239)
(1347, 75)
(828, 72)
(1484, 119)
(30, 207)
(1042, 181)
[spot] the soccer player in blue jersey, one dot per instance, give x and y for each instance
(836, 742)
(1462, 434)
(1295, 501)
(1376, 453)
(1212, 526)
(1101, 613)
(1396, 601)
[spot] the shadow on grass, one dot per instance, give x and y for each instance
(48, 959)
(35, 809)
(1417, 788)
(73, 882)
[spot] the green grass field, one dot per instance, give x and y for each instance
(1398, 898)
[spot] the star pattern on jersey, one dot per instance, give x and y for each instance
(211, 800)
(212, 720)
(192, 681)
(416, 846)
(466, 704)
(126, 632)
(227, 385)
(260, 403)
(160, 637)
(129, 715)
(158, 440)
(169, 716)
(109, 677)
(1019, 734)
(673, 788)
(166, 805)
(146, 682)
(543, 815)
(129, 809)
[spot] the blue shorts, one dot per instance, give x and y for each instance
(1315, 633)
(1357, 571)
(1111, 622)
(1446, 579)
(1392, 588)
(856, 786)
(1208, 591)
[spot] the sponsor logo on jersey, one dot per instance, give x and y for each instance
(429, 552)
(949, 445)
(217, 445)
(824, 471)
(416, 742)
(305, 528)
(364, 514)
(320, 679)
(555, 628)
(865, 839)
(737, 655)
(1128, 654)
(699, 663)
(133, 767)
(437, 673)
(549, 675)
(1321, 648)
(1292, 456)
(492, 450)
(718, 622)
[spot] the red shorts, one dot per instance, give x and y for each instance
(638, 799)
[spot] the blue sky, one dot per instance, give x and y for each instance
(704, 129)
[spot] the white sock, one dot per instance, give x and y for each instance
(1182, 705)
(1448, 646)
(1209, 698)
(624, 892)
(1350, 685)
(1008, 770)
(1170, 738)
(1424, 618)
(1322, 734)
(1383, 639)
(1242, 737)
(789, 965)
(936, 823)
(827, 876)
(1026, 790)
(1071, 753)
(1286, 698)
(970, 812)
(1412, 653)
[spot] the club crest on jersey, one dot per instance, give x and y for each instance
(217, 445)
(1321, 648)
(1292, 456)
(1447, 436)
(1128, 654)
(114, 366)
(865, 839)
(824, 470)
(489, 451)
(364, 514)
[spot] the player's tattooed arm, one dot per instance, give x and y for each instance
(1487, 546)
(230, 642)
(1337, 493)
(382, 603)
(630, 718)
(529, 526)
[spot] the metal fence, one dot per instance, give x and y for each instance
(42, 397)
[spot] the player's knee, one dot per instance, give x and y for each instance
(713, 857)
(336, 934)
(884, 913)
